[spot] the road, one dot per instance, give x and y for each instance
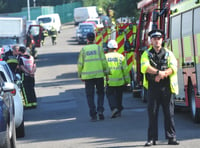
(61, 119)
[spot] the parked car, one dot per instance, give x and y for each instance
(8, 76)
(7, 115)
(82, 31)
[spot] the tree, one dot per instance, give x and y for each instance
(2, 5)
(121, 8)
(126, 8)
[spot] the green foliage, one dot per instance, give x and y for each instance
(2, 5)
(126, 8)
(121, 8)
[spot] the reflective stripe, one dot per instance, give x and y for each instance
(93, 72)
(116, 79)
(116, 68)
(90, 60)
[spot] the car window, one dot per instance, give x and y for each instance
(8, 71)
(8, 41)
(86, 26)
(35, 30)
(3, 76)
(44, 20)
(87, 29)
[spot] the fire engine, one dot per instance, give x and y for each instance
(124, 33)
(179, 19)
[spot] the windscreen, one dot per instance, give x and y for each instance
(35, 30)
(86, 28)
(8, 41)
(44, 20)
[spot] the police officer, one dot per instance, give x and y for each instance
(28, 68)
(119, 76)
(92, 67)
(159, 67)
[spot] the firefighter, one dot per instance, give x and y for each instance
(12, 59)
(27, 67)
(117, 79)
(44, 35)
(31, 44)
(92, 67)
(159, 67)
(53, 35)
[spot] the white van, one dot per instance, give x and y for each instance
(50, 20)
(81, 14)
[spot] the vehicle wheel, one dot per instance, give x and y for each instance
(7, 142)
(144, 94)
(20, 132)
(132, 80)
(195, 112)
(13, 138)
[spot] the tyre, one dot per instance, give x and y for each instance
(20, 132)
(195, 112)
(13, 138)
(132, 79)
(144, 94)
(7, 142)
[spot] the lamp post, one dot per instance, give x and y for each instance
(34, 3)
(28, 8)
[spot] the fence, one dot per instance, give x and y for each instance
(66, 11)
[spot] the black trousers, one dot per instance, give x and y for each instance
(90, 86)
(160, 95)
(114, 95)
(29, 87)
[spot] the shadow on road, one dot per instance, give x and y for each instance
(51, 59)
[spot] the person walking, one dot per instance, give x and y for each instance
(92, 67)
(159, 67)
(44, 34)
(117, 79)
(53, 35)
(27, 67)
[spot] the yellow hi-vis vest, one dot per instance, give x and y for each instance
(172, 63)
(92, 62)
(118, 69)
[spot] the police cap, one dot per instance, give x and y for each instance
(156, 33)
(90, 36)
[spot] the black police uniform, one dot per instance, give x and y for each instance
(159, 93)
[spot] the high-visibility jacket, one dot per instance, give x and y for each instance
(92, 62)
(45, 33)
(53, 32)
(119, 74)
(28, 62)
(171, 62)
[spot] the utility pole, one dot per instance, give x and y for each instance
(34, 3)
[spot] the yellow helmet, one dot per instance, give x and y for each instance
(100, 10)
